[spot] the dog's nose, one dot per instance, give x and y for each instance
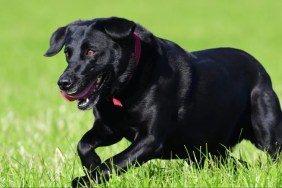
(65, 83)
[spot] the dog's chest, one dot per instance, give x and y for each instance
(129, 132)
(124, 124)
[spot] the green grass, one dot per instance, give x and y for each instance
(39, 131)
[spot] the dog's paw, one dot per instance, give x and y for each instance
(83, 181)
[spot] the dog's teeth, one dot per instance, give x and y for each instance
(84, 102)
(71, 92)
(99, 79)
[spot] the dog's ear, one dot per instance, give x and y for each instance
(57, 41)
(118, 28)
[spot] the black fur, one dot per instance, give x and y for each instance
(174, 102)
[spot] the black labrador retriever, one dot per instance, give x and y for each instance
(168, 102)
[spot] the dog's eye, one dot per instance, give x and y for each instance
(90, 53)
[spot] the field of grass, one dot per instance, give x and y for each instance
(39, 131)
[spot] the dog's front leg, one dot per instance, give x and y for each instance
(139, 152)
(99, 135)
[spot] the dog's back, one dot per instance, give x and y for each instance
(225, 86)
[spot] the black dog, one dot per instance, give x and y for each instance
(169, 103)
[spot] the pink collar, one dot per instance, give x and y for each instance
(137, 47)
(117, 102)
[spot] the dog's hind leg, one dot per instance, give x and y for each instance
(266, 117)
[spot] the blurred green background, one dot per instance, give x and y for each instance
(35, 121)
(28, 80)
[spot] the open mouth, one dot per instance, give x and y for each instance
(88, 96)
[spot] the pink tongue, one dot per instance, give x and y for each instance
(84, 94)
(67, 97)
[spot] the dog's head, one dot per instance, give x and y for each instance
(100, 57)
